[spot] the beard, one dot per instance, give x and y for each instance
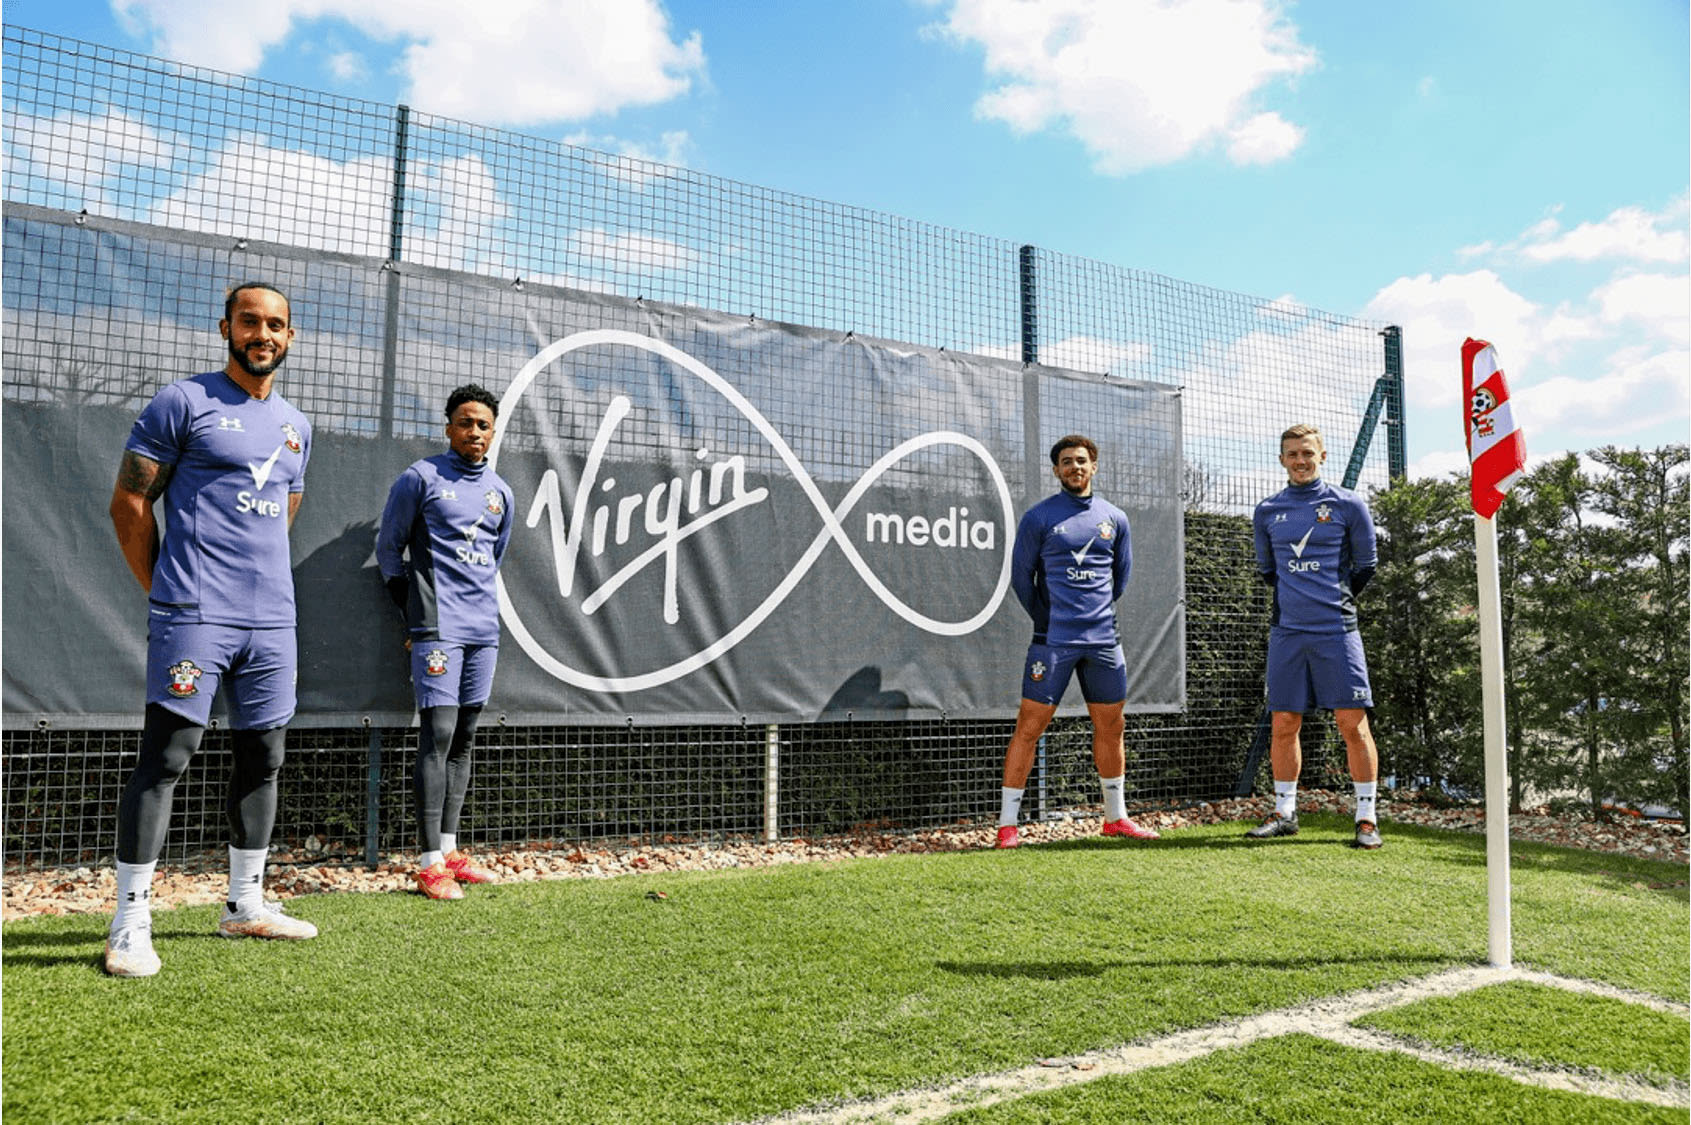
(1073, 491)
(258, 370)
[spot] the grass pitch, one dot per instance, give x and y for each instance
(746, 994)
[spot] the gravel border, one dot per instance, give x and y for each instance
(310, 869)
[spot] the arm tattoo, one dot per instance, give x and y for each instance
(142, 475)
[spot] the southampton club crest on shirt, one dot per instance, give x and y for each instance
(495, 502)
(434, 662)
(1324, 513)
(1107, 530)
(183, 675)
(291, 437)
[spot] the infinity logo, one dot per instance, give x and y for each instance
(567, 540)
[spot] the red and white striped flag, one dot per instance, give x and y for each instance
(1497, 451)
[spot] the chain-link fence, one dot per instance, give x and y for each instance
(345, 198)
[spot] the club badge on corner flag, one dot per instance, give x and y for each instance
(1497, 450)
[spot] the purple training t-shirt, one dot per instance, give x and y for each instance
(234, 460)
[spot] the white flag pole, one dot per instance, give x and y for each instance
(1496, 761)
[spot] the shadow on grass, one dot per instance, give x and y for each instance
(1064, 970)
(32, 949)
(1188, 843)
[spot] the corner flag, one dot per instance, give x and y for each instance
(1497, 451)
(1497, 455)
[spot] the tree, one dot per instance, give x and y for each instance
(1573, 614)
(1646, 494)
(1420, 634)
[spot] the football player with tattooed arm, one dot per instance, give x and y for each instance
(449, 516)
(226, 454)
(1069, 565)
(1315, 547)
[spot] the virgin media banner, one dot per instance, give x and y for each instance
(717, 519)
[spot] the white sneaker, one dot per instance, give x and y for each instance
(267, 920)
(129, 952)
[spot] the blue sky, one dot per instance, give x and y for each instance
(1507, 169)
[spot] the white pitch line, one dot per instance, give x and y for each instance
(1676, 1095)
(1328, 1018)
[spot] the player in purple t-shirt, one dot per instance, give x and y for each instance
(451, 514)
(1070, 563)
(1315, 547)
(226, 456)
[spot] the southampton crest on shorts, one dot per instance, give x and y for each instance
(1036, 672)
(183, 675)
(434, 662)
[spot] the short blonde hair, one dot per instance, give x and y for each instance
(1303, 430)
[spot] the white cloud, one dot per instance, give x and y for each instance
(1438, 314)
(516, 62)
(631, 253)
(1658, 303)
(348, 66)
(1439, 463)
(206, 33)
(285, 196)
(1139, 82)
(1091, 353)
(638, 162)
(459, 200)
(83, 153)
(306, 200)
(1635, 385)
(1263, 139)
(1627, 234)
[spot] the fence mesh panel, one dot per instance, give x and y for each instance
(226, 161)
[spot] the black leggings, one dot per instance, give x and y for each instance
(442, 777)
(167, 742)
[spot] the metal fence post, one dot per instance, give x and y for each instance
(1027, 263)
(771, 783)
(1397, 458)
(396, 249)
(373, 796)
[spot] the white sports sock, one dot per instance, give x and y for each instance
(1286, 798)
(1115, 797)
(246, 877)
(429, 859)
(1009, 806)
(134, 894)
(1364, 799)
(448, 842)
